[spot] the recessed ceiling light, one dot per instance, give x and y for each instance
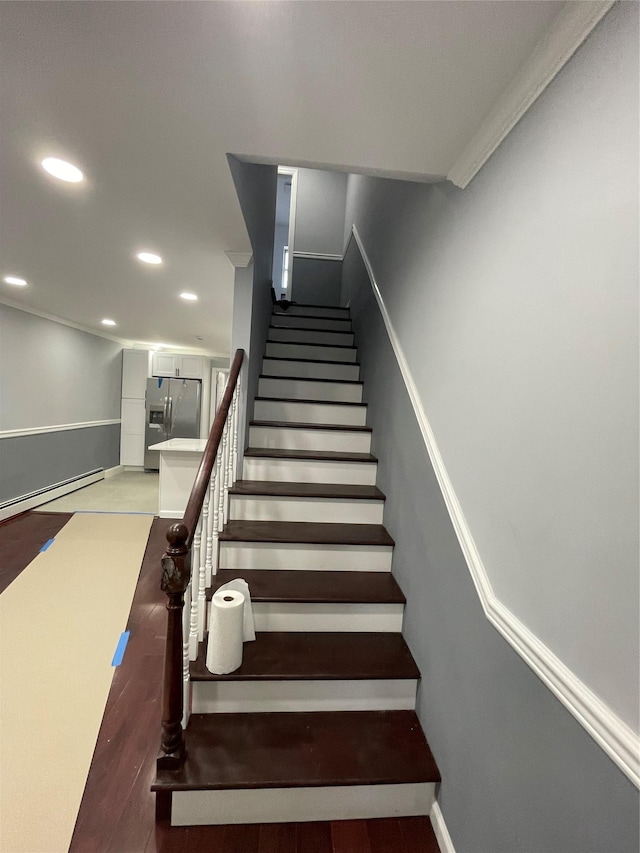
(190, 297)
(16, 282)
(149, 258)
(107, 322)
(62, 170)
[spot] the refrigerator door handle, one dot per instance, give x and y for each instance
(165, 416)
(170, 416)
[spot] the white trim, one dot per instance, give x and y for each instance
(293, 203)
(567, 32)
(239, 259)
(113, 472)
(55, 319)
(440, 828)
(49, 494)
(319, 256)
(617, 739)
(14, 433)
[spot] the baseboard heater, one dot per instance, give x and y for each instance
(49, 493)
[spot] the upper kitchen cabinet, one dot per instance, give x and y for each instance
(175, 365)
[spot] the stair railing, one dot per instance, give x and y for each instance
(189, 563)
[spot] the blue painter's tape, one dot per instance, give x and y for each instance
(47, 544)
(122, 645)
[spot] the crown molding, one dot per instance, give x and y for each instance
(239, 259)
(567, 32)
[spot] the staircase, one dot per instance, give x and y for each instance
(318, 723)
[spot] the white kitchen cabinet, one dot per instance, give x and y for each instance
(176, 365)
(132, 432)
(135, 371)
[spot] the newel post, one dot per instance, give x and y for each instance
(176, 572)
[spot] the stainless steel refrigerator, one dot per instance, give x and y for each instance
(173, 411)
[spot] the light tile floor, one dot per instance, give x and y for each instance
(129, 491)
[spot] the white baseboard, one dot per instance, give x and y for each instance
(112, 472)
(58, 490)
(440, 828)
(615, 737)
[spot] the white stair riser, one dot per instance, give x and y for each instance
(309, 389)
(281, 438)
(310, 369)
(310, 471)
(309, 413)
(334, 324)
(263, 697)
(310, 336)
(286, 805)
(323, 510)
(314, 311)
(284, 350)
(311, 557)
(307, 616)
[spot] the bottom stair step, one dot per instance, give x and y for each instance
(261, 768)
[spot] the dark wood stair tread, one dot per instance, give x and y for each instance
(312, 344)
(314, 379)
(273, 488)
(302, 749)
(315, 328)
(317, 455)
(303, 425)
(317, 656)
(313, 305)
(308, 532)
(317, 402)
(314, 587)
(306, 361)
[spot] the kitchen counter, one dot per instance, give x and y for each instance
(179, 462)
(181, 445)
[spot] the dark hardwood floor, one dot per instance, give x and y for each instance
(117, 813)
(22, 537)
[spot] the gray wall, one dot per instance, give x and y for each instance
(516, 305)
(256, 186)
(52, 374)
(519, 774)
(317, 282)
(320, 209)
(320, 212)
(32, 463)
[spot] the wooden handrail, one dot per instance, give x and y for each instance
(176, 574)
(201, 483)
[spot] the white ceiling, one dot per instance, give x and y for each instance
(148, 97)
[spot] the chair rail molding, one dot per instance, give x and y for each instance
(15, 433)
(615, 737)
(569, 29)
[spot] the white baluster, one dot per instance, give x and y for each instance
(186, 615)
(193, 599)
(225, 471)
(229, 478)
(219, 489)
(235, 432)
(215, 497)
(208, 562)
(202, 573)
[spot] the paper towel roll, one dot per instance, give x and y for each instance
(226, 632)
